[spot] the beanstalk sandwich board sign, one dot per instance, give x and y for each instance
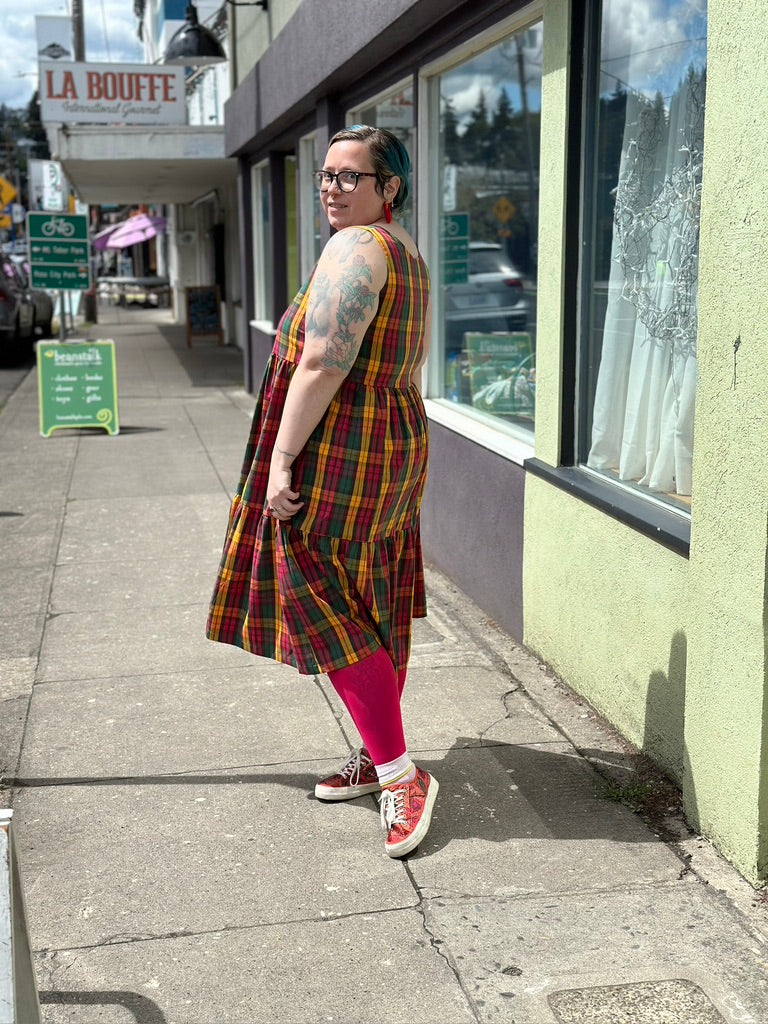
(77, 385)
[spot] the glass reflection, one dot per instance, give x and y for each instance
(639, 360)
(490, 109)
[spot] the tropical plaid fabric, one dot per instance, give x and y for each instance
(344, 576)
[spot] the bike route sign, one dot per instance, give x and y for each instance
(59, 255)
(454, 245)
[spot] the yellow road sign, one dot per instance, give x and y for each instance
(7, 192)
(504, 210)
(5, 222)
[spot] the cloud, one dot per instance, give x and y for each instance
(642, 43)
(494, 69)
(110, 35)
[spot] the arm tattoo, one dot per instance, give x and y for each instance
(282, 451)
(355, 298)
(348, 241)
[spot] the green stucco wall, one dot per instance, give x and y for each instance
(602, 604)
(673, 650)
(549, 327)
(725, 727)
(606, 608)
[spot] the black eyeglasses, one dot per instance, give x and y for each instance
(346, 180)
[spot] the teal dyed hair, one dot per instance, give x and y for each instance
(388, 155)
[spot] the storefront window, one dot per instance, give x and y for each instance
(310, 209)
(291, 228)
(392, 110)
(485, 279)
(262, 234)
(638, 366)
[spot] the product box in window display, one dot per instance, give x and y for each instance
(502, 373)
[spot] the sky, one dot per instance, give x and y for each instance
(635, 27)
(648, 44)
(492, 70)
(110, 35)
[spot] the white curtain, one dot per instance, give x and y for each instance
(642, 427)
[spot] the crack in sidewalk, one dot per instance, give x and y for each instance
(127, 938)
(437, 945)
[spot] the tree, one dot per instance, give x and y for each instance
(451, 140)
(506, 133)
(476, 140)
(35, 132)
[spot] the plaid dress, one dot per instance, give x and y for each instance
(344, 576)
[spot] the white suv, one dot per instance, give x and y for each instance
(491, 299)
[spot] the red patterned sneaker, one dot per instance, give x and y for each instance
(406, 811)
(355, 778)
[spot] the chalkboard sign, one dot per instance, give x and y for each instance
(204, 312)
(77, 385)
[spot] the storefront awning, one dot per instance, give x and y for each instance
(133, 165)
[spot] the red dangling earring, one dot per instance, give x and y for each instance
(388, 212)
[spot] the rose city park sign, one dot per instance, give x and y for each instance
(112, 93)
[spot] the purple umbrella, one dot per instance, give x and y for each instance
(134, 230)
(101, 237)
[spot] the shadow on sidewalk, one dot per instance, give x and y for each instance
(142, 1009)
(494, 793)
(206, 363)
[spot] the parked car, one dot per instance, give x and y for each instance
(41, 299)
(491, 299)
(17, 315)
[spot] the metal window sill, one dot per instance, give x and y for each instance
(666, 526)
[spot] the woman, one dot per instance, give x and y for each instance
(322, 562)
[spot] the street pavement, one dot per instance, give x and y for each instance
(10, 379)
(176, 866)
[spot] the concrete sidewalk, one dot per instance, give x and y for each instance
(177, 869)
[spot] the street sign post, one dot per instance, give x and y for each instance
(59, 254)
(454, 244)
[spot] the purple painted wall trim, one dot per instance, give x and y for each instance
(261, 343)
(472, 525)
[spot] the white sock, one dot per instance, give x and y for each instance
(402, 769)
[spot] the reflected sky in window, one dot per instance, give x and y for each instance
(648, 45)
(496, 69)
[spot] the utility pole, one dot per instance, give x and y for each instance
(78, 30)
(88, 299)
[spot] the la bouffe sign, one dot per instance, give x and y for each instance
(78, 93)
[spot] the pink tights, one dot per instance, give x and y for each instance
(371, 691)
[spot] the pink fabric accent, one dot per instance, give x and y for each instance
(401, 677)
(370, 692)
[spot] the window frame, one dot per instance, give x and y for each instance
(308, 205)
(664, 523)
(293, 275)
(262, 284)
(356, 109)
(503, 439)
(354, 116)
